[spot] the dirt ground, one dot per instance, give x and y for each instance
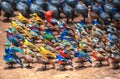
(88, 72)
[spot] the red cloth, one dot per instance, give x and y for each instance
(22, 47)
(97, 58)
(49, 15)
(81, 59)
(64, 55)
(115, 60)
(100, 59)
(62, 62)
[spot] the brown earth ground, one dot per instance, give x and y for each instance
(89, 72)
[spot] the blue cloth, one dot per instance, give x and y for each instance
(63, 3)
(30, 2)
(11, 53)
(19, 36)
(48, 31)
(82, 54)
(114, 10)
(112, 38)
(17, 1)
(77, 54)
(76, 2)
(9, 58)
(15, 38)
(105, 1)
(63, 37)
(13, 50)
(96, 22)
(92, 3)
(17, 60)
(14, 41)
(82, 23)
(65, 33)
(69, 42)
(61, 58)
(100, 9)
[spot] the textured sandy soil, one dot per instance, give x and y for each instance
(84, 73)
